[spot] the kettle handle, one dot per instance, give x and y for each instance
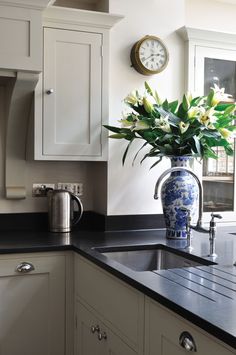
(80, 209)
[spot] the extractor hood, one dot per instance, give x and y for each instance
(21, 55)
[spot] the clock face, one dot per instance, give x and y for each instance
(153, 55)
(149, 55)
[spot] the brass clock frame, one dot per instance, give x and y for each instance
(135, 56)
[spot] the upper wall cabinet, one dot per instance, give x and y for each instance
(21, 34)
(71, 101)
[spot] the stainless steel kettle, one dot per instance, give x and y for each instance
(61, 210)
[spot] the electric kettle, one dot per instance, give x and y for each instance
(61, 210)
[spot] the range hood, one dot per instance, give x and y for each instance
(20, 64)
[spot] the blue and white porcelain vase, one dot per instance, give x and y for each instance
(179, 190)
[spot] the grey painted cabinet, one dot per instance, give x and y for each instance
(32, 304)
(168, 334)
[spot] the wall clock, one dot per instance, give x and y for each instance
(149, 55)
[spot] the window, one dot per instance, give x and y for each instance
(211, 59)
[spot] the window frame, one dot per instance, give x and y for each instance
(201, 44)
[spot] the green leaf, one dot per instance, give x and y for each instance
(173, 106)
(229, 150)
(126, 151)
(165, 105)
(182, 112)
(157, 162)
(138, 152)
(118, 136)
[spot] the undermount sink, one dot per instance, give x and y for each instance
(151, 257)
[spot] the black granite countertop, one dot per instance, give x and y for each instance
(204, 295)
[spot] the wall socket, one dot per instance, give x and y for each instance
(74, 187)
(40, 189)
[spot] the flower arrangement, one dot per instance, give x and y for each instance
(192, 127)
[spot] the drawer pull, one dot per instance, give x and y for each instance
(95, 328)
(25, 267)
(187, 342)
(102, 336)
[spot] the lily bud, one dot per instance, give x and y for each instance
(225, 133)
(148, 106)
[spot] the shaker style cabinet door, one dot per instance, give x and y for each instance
(32, 305)
(72, 117)
(168, 334)
(95, 338)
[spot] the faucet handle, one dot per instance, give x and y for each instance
(215, 215)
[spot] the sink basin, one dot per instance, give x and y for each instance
(151, 257)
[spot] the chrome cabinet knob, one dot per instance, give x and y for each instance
(49, 91)
(25, 267)
(187, 342)
(102, 335)
(95, 328)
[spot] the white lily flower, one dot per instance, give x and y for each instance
(183, 126)
(208, 118)
(219, 95)
(163, 124)
(132, 98)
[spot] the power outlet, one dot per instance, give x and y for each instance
(40, 190)
(74, 187)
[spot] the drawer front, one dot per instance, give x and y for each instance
(164, 330)
(118, 304)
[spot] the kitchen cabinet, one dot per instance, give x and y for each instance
(168, 334)
(32, 304)
(93, 337)
(22, 47)
(71, 100)
(115, 307)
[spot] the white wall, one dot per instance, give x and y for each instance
(130, 189)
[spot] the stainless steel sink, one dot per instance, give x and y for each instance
(151, 257)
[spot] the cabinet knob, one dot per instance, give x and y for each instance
(49, 91)
(102, 335)
(187, 342)
(95, 328)
(25, 267)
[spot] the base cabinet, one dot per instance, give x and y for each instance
(169, 334)
(32, 305)
(109, 313)
(95, 338)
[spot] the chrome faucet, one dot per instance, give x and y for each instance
(198, 226)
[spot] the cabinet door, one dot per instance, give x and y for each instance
(164, 330)
(72, 121)
(86, 341)
(89, 329)
(32, 306)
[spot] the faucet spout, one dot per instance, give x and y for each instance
(198, 226)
